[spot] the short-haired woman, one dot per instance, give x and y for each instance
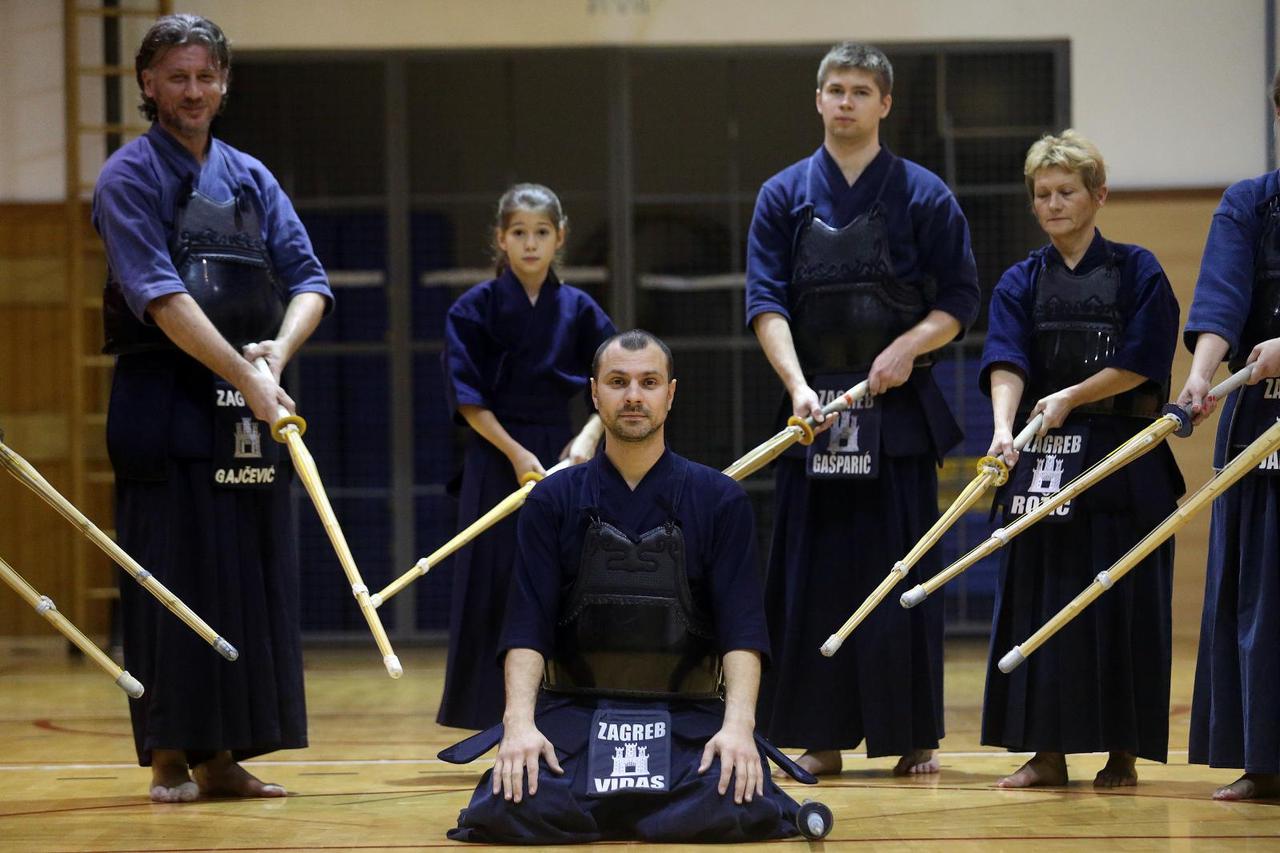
(1083, 331)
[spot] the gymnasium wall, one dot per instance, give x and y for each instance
(1159, 83)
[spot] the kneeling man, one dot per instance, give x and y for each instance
(636, 605)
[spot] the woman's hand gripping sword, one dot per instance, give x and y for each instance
(1248, 459)
(1175, 420)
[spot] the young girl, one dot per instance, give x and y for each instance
(518, 348)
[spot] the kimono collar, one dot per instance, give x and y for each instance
(180, 162)
(873, 174)
(508, 282)
(174, 153)
(834, 200)
(661, 484)
(1098, 254)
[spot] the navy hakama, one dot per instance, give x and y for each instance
(228, 553)
(835, 540)
(852, 532)
(1235, 707)
(714, 517)
(563, 812)
(231, 557)
(1102, 682)
(525, 363)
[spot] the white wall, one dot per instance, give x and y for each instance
(1173, 91)
(31, 146)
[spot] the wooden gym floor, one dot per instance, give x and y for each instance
(371, 781)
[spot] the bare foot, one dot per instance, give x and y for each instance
(1251, 786)
(222, 777)
(1119, 771)
(170, 781)
(1044, 768)
(917, 761)
(821, 762)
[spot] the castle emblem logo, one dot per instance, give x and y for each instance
(631, 760)
(1046, 479)
(248, 439)
(845, 437)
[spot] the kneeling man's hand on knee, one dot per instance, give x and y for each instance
(518, 753)
(736, 745)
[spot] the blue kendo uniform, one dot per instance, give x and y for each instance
(851, 267)
(1102, 683)
(1236, 703)
(201, 489)
(525, 363)
(632, 598)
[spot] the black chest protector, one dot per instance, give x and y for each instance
(1263, 322)
(846, 306)
(1078, 326)
(218, 252)
(630, 625)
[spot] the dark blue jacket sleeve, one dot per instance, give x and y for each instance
(533, 600)
(463, 356)
(1224, 289)
(769, 254)
(1009, 328)
(737, 593)
(292, 254)
(1151, 321)
(942, 238)
(128, 216)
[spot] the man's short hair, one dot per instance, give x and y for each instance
(178, 31)
(636, 339)
(850, 55)
(1068, 150)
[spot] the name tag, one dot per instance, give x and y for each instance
(849, 449)
(629, 753)
(1262, 401)
(244, 455)
(1047, 464)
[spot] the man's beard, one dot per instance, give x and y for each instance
(174, 119)
(632, 431)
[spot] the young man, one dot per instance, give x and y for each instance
(209, 269)
(858, 265)
(634, 594)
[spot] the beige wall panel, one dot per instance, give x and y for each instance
(33, 400)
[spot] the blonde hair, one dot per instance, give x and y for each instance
(1068, 150)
